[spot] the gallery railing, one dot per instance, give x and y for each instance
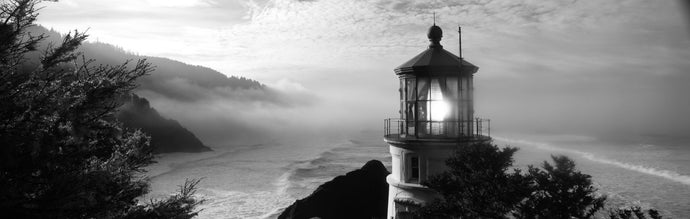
(397, 128)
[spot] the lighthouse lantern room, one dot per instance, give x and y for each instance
(436, 117)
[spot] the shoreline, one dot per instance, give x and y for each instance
(289, 174)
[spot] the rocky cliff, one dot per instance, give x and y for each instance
(362, 193)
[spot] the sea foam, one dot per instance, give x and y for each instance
(667, 174)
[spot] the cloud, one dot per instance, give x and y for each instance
(179, 3)
(568, 65)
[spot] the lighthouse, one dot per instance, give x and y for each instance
(436, 117)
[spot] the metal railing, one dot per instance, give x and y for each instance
(410, 129)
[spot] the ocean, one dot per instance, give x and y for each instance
(258, 181)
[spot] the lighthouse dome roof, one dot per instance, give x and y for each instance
(435, 60)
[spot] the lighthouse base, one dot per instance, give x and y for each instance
(412, 162)
(405, 198)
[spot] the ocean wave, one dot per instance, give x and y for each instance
(667, 174)
(237, 204)
(170, 163)
(302, 177)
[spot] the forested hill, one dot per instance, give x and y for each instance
(177, 90)
(218, 109)
(167, 74)
(167, 135)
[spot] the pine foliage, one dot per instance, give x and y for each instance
(479, 184)
(63, 153)
(560, 191)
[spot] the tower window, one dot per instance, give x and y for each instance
(414, 167)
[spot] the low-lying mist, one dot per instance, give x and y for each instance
(352, 101)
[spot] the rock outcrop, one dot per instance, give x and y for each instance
(362, 193)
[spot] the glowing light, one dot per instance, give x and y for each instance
(437, 106)
(439, 110)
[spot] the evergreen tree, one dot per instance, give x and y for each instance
(633, 212)
(478, 184)
(63, 154)
(560, 191)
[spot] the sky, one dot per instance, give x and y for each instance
(614, 67)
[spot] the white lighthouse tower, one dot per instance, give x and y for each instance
(436, 117)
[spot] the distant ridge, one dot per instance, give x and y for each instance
(167, 74)
(199, 82)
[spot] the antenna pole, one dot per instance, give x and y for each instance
(459, 42)
(434, 18)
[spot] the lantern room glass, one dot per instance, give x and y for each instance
(436, 106)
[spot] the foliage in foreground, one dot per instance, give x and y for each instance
(478, 185)
(64, 155)
(633, 212)
(179, 206)
(560, 191)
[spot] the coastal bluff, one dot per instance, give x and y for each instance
(167, 135)
(362, 193)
